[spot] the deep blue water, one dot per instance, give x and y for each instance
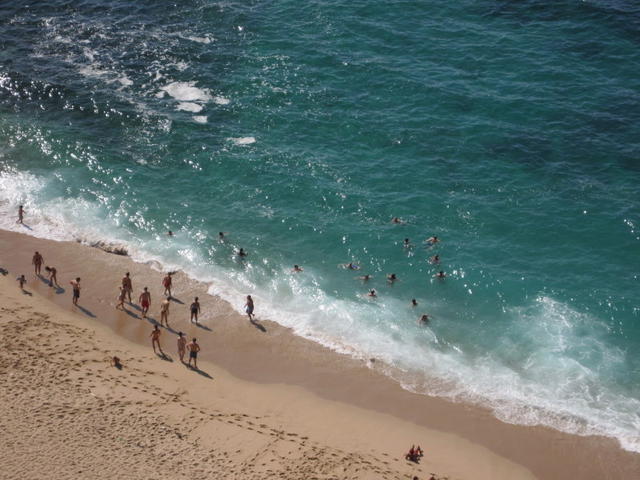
(508, 129)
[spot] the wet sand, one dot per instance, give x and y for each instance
(271, 357)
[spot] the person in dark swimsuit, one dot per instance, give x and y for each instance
(195, 310)
(194, 348)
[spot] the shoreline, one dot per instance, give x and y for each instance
(266, 353)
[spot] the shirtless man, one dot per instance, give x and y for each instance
(414, 302)
(297, 269)
(440, 274)
(166, 283)
(431, 241)
(121, 297)
(248, 307)
(391, 278)
(37, 262)
(242, 253)
(194, 348)
(398, 221)
(155, 338)
(75, 285)
(127, 285)
(364, 278)
(372, 293)
(423, 320)
(52, 275)
(164, 312)
(182, 346)
(20, 215)
(195, 310)
(435, 259)
(145, 301)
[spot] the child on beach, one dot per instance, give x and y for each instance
(21, 281)
(121, 297)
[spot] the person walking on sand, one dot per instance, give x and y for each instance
(75, 285)
(37, 262)
(127, 285)
(166, 283)
(182, 346)
(248, 308)
(164, 312)
(195, 310)
(145, 301)
(21, 281)
(155, 338)
(20, 215)
(194, 348)
(52, 275)
(121, 297)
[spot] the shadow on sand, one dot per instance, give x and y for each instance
(88, 313)
(164, 357)
(174, 299)
(199, 372)
(258, 325)
(204, 327)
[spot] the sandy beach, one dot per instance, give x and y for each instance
(264, 404)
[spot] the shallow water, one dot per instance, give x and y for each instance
(509, 130)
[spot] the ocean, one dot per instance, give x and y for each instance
(509, 130)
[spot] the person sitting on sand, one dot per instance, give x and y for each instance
(155, 338)
(411, 455)
(164, 312)
(115, 362)
(166, 283)
(194, 348)
(21, 281)
(121, 297)
(75, 285)
(296, 269)
(37, 262)
(52, 275)
(145, 301)
(182, 346)
(195, 310)
(248, 307)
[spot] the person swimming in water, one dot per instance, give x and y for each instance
(431, 241)
(440, 274)
(406, 243)
(397, 221)
(391, 278)
(364, 278)
(414, 302)
(424, 319)
(372, 293)
(242, 253)
(296, 269)
(435, 259)
(221, 236)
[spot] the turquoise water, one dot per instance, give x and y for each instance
(508, 129)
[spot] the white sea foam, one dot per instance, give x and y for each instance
(189, 107)
(200, 118)
(187, 92)
(206, 39)
(221, 100)
(242, 140)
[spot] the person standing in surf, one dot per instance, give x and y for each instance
(20, 215)
(248, 307)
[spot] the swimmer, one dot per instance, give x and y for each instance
(435, 259)
(242, 253)
(440, 274)
(170, 233)
(350, 266)
(392, 278)
(431, 240)
(414, 302)
(397, 221)
(121, 296)
(364, 278)
(372, 293)
(296, 269)
(221, 236)
(423, 320)
(406, 243)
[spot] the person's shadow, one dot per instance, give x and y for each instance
(130, 313)
(27, 292)
(204, 327)
(88, 313)
(174, 299)
(259, 326)
(27, 226)
(4, 271)
(199, 372)
(164, 357)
